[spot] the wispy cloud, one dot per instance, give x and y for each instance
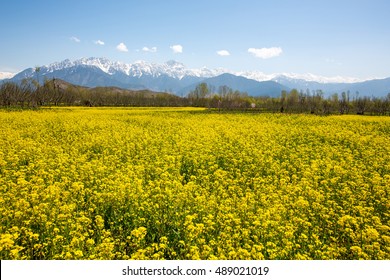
(223, 53)
(152, 50)
(266, 53)
(122, 47)
(99, 42)
(177, 48)
(333, 61)
(75, 39)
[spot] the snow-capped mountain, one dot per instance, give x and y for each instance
(170, 76)
(175, 77)
(139, 68)
(260, 76)
(178, 70)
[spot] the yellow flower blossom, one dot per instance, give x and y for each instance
(186, 183)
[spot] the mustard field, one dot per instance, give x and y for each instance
(126, 183)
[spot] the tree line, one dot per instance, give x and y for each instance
(55, 92)
(294, 101)
(31, 94)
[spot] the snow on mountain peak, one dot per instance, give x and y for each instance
(309, 77)
(174, 63)
(171, 68)
(102, 63)
(178, 70)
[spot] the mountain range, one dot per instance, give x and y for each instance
(174, 77)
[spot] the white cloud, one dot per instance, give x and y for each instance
(6, 75)
(99, 42)
(266, 53)
(75, 39)
(152, 50)
(177, 48)
(223, 53)
(122, 47)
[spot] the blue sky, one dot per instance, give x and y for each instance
(329, 38)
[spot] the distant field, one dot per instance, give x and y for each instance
(86, 183)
